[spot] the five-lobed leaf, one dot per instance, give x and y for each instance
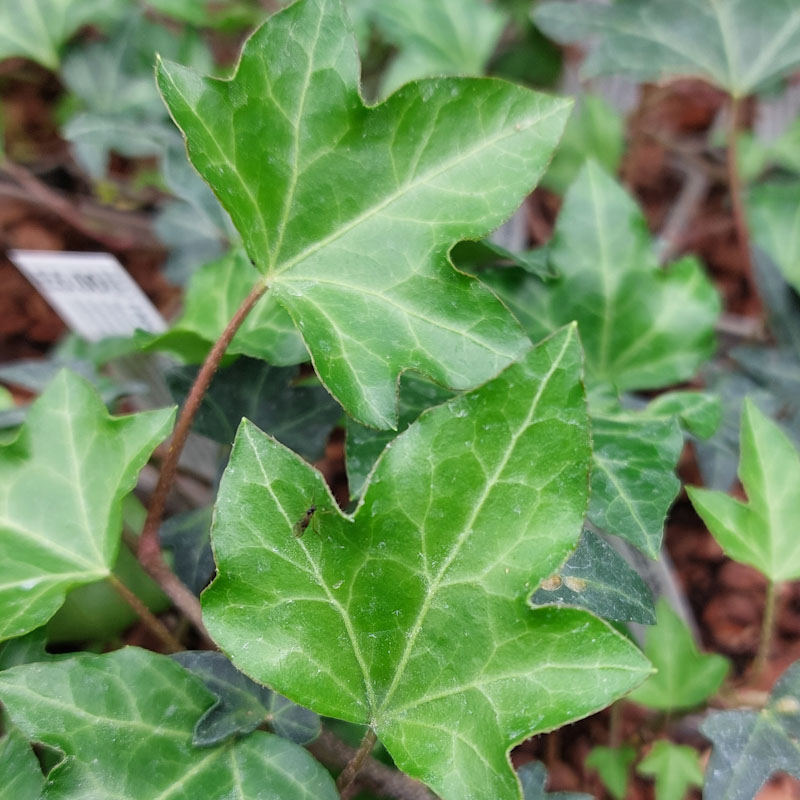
(349, 211)
(124, 722)
(750, 746)
(82, 462)
(413, 615)
(675, 768)
(684, 677)
(763, 531)
(738, 45)
(613, 765)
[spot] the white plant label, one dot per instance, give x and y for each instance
(91, 292)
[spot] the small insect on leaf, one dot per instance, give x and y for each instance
(299, 528)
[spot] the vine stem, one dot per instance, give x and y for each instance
(357, 761)
(767, 629)
(735, 188)
(149, 551)
(153, 623)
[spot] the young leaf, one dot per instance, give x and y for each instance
(533, 777)
(763, 531)
(448, 37)
(642, 327)
(598, 579)
(299, 416)
(774, 216)
(71, 452)
(737, 45)
(675, 768)
(188, 536)
(124, 722)
(749, 746)
(349, 211)
(20, 775)
(214, 293)
(242, 705)
(684, 677)
(412, 616)
(613, 764)
(37, 29)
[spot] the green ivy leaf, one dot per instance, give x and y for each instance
(231, 15)
(214, 293)
(125, 720)
(774, 216)
(684, 677)
(24, 649)
(188, 536)
(349, 211)
(763, 531)
(84, 462)
(242, 705)
(737, 45)
(699, 413)
(300, 416)
(448, 37)
(533, 777)
(20, 775)
(675, 768)
(598, 579)
(749, 746)
(471, 256)
(613, 765)
(642, 327)
(413, 615)
(38, 29)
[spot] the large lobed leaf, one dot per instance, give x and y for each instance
(763, 531)
(349, 211)
(62, 481)
(124, 723)
(413, 615)
(739, 45)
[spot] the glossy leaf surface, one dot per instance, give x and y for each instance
(613, 765)
(642, 327)
(675, 768)
(242, 705)
(124, 722)
(38, 29)
(349, 212)
(763, 531)
(685, 677)
(738, 45)
(749, 746)
(413, 614)
(83, 461)
(20, 775)
(598, 579)
(301, 416)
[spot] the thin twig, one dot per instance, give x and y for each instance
(374, 776)
(149, 551)
(153, 623)
(357, 761)
(767, 630)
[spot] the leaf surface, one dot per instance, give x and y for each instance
(124, 722)
(613, 765)
(675, 768)
(774, 216)
(412, 615)
(737, 45)
(188, 536)
(749, 746)
(684, 677)
(20, 775)
(598, 579)
(349, 211)
(83, 461)
(763, 531)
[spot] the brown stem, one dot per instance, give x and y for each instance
(615, 724)
(735, 188)
(155, 625)
(357, 761)
(767, 630)
(149, 552)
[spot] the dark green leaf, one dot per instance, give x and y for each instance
(242, 705)
(598, 579)
(750, 746)
(349, 212)
(299, 416)
(188, 536)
